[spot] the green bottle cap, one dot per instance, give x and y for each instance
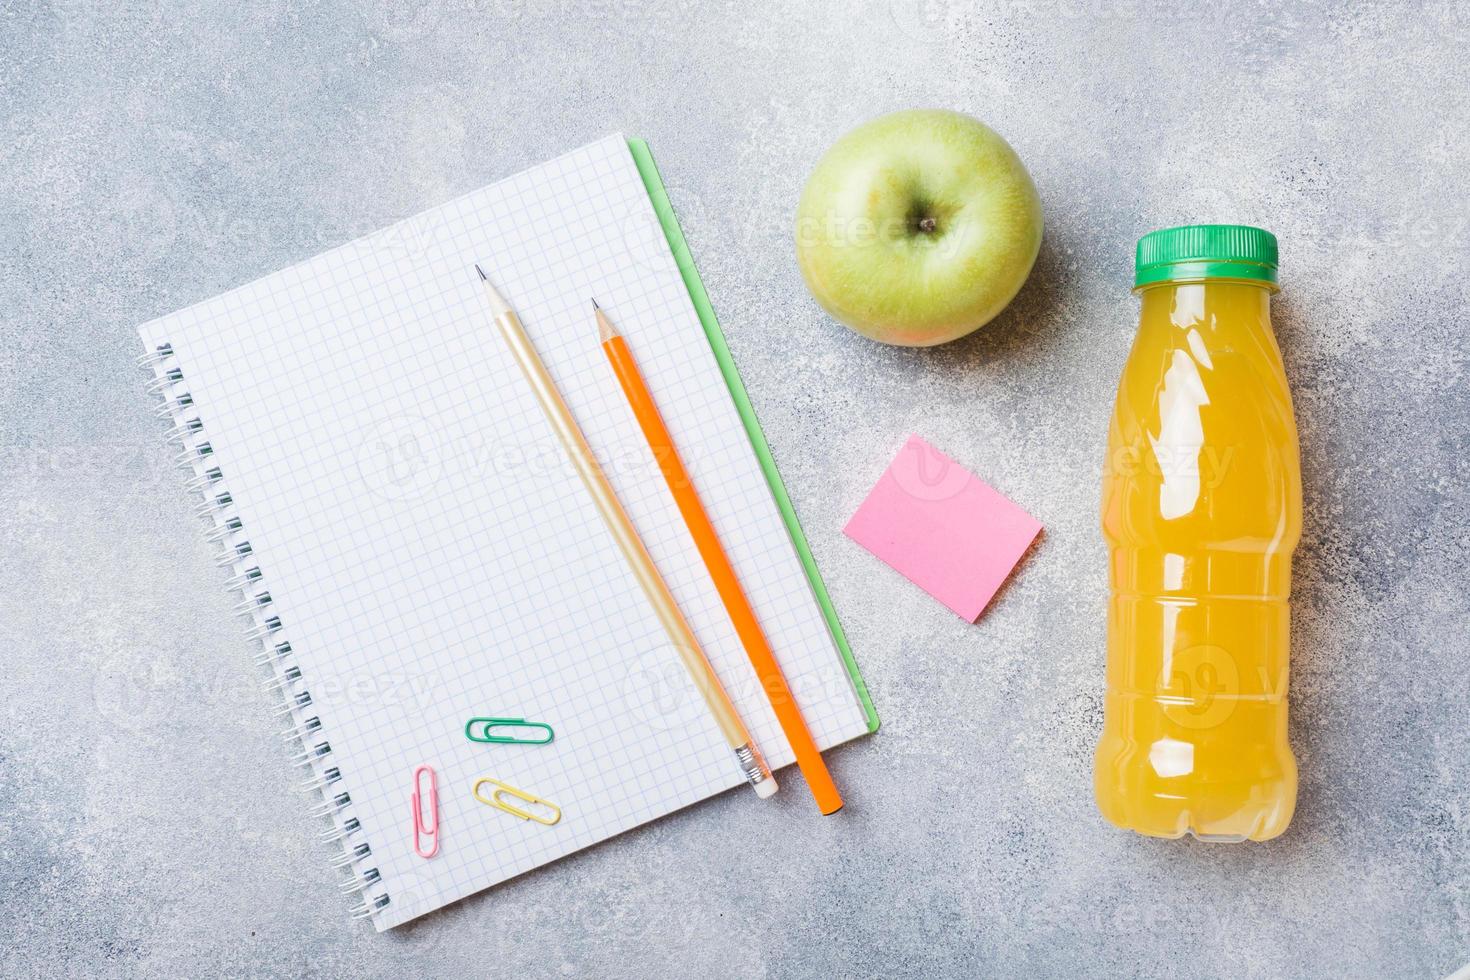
(1194, 252)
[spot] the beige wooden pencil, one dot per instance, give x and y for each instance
(749, 758)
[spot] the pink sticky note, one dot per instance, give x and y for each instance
(943, 528)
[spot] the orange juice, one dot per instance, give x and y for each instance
(1201, 510)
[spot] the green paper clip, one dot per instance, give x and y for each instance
(489, 724)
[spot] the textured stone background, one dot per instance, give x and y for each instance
(154, 154)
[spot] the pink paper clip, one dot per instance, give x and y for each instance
(425, 827)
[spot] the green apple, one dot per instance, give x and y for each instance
(918, 227)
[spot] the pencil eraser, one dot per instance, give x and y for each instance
(943, 528)
(766, 788)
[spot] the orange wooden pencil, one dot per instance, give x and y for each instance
(773, 682)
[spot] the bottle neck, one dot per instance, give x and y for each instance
(1208, 303)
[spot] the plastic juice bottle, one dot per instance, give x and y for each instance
(1201, 509)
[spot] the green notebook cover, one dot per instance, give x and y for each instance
(665, 211)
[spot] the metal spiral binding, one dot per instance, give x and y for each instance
(227, 529)
(170, 377)
(157, 355)
(337, 803)
(310, 726)
(235, 583)
(231, 526)
(301, 699)
(356, 853)
(321, 782)
(209, 476)
(228, 559)
(174, 404)
(220, 502)
(368, 907)
(184, 430)
(254, 603)
(349, 826)
(271, 624)
(282, 649)
(360, 881)
(318, 751)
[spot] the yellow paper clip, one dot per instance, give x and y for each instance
(519, 794)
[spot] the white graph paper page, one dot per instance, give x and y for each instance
(432, 556)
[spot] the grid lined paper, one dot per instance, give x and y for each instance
(432, 555)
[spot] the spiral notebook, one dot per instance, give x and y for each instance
(413, 549)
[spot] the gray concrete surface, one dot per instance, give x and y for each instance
(153, 154)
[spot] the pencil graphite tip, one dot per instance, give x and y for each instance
(594, 303)
(605, 330)
(497, 301)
